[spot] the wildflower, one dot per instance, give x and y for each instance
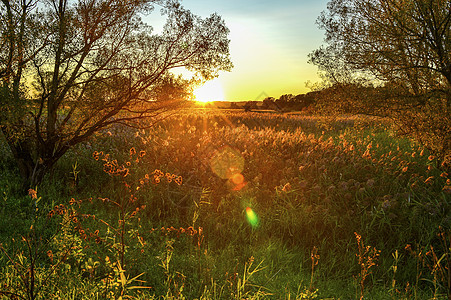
(142, 153)
(50, 255)
(286, 187)
(107, 157)
(358, 236)
(132, 151)
(191, 230)
(447, 189)
(95, 155)
(431, 157)
(404, 169)
(429, 180)
(107, 168)
(169, 177)
(158, 173)
(178, 180)
(124, 172)
(33, 194)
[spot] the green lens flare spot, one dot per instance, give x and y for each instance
(251, 217)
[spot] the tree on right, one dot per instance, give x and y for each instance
(391, 58)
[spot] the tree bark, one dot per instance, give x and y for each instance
(31, 170)
(23, 159)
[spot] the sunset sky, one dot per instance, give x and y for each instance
(270, 41)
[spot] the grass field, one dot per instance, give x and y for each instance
(219, 204)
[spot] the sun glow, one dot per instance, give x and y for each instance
(210, 91)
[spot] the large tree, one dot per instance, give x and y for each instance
(403, 49)
(71, 68)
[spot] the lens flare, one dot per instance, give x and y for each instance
(227, 162)
(237, 182)
(237, 179)
(251, 217)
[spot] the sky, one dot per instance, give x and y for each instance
(269, 45)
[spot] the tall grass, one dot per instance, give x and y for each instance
(110, 224)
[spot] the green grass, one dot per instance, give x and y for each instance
(312, 185)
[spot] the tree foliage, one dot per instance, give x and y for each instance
(392, 58)
(290, 102)
(71, 68)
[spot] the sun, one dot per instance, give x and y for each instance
(209, 91)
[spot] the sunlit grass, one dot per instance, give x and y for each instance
(256, 200)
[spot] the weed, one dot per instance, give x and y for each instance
(367, 258)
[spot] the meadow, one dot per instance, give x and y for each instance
(226, 204)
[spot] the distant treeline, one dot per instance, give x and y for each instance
(348, 98)
(287, 102)
(290, 102)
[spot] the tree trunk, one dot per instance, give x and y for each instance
(31, 170)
